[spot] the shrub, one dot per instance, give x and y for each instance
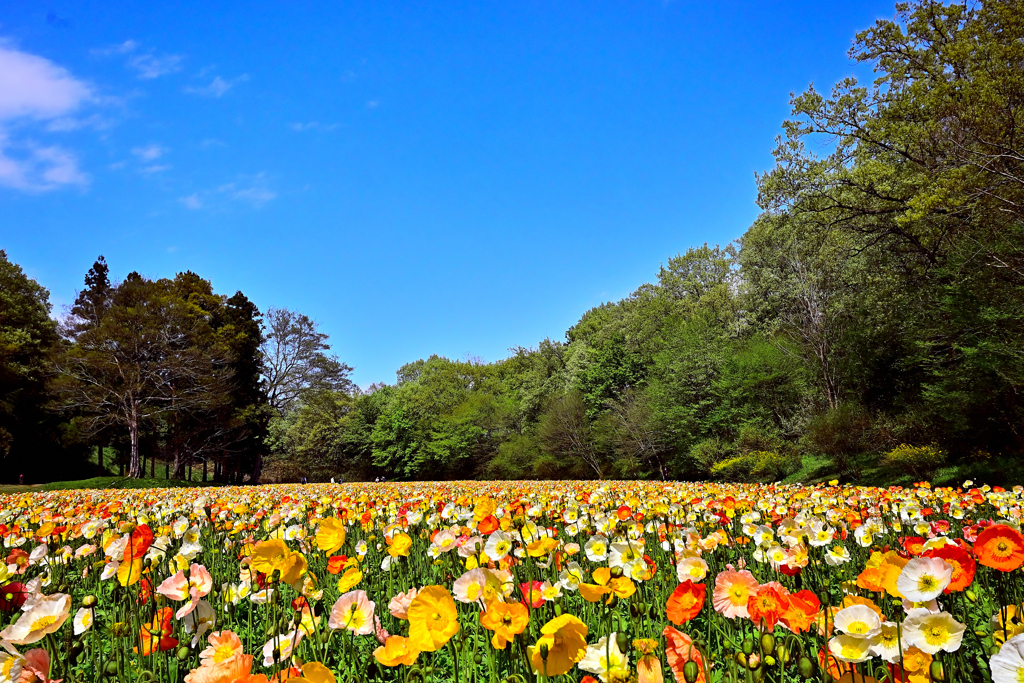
(734, 469)
(705, 454)
(773, 466)
(915, 459)
(840, 433)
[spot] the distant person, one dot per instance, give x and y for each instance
(332, 480)
(304, 480)
(21, 478)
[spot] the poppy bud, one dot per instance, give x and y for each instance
(971, 595)
(691, 672)
(558, 610)
(937, 672)
(89, 601)
(622, 640)
(110, 668)
(767, 643)
(478, 658)
(748, 646)
(741, 659)
(805, 665)
(544, 651)
(616, 572)
(769, 660)
(182, 653)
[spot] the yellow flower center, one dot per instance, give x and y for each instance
(927, 583)
(936, 635)
(222, 652)
(857, 628)
(42, 622)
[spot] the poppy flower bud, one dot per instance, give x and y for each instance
(89, 601)
(616, 572)
(767, 643)
(805, 665)
(182, 653)
(748, 646)
(691, 672)
(769, 660)
(622, 640)
(110, 668)
(971, 595)
(937, 672)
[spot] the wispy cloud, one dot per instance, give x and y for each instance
(155, 168)
(33, 88)
(149, 152)
(193, 202)
(251, 190)
(314, 125)
(119, 49)
(257, 196)
(217, 87)
(34, 168)
(150, 66)
(372, 104)
(147, 65)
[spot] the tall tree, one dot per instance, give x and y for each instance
(296, 360)
(148, 356)
(27, 337)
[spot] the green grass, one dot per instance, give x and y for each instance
(865, 471)
(113, 482)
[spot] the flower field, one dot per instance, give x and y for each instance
(514, 581)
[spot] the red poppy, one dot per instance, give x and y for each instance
(12, 597)
(913, 545)
(156, 636)
(532, 595)
(686, 602)
(336, 563)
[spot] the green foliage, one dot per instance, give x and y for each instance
(914, 459)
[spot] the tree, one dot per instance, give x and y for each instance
(27, 338)
(565, 431)
(295, 360)
(148, 356)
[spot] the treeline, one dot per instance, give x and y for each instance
(165, 373)
(876, 306)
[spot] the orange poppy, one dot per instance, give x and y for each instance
(963, 565)
(1000, 547)
(679, 649)
(767, 604)
(686, 602)
(801, 612)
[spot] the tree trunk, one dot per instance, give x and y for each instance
(205, 461)
(135, 464)
(179, 463)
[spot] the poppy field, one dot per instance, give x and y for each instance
(514, 581)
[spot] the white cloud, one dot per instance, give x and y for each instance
(314, 125)
(156, 168)
(217, 87)
(193, 201)
(149, 66)
(35, 87)
(34, 168)
(372, 104)
(66, 124)
(149, 152)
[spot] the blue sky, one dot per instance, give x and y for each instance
(452, 178)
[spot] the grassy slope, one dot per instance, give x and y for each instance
(103, 483)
